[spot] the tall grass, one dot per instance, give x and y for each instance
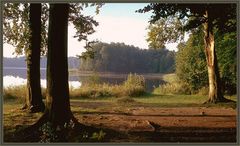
(172, 86)
(133, 86)
(175, 86)
(15, 92)
(18, 93)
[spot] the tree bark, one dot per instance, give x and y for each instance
(34, 96)
(215, 92)
(57, 100)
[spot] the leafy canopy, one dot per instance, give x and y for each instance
(221, 16)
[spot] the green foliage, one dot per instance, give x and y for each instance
(191, 65)
(48, 133)
(84, 25)
(165, 30)
(135, 85)
(193, 15)
(226, 45)
(16, 24)
(134, 80)
(60, 133)
(121, 58)
(191, 62)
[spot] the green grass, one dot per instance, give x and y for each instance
(156, 100)
(172, 99)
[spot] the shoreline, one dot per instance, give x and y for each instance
(76, 73)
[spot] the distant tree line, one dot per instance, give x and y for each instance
(122, 58)
(73, 62)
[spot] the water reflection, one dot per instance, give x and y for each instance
(17, 76)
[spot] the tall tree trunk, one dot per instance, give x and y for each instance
(57, 100)
(34, 96)
(215, 92)
(57, 113)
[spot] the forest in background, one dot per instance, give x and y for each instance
(73, 62)
(122, 58)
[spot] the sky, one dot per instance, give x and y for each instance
(118, 22)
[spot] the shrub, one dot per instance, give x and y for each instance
(135, 85)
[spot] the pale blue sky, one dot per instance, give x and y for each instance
(121, 10)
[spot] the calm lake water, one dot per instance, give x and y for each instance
(17, 76)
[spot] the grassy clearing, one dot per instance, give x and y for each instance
(181, 101)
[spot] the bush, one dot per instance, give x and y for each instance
(135, 80)
(135, 85)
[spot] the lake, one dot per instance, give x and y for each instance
(17, 76)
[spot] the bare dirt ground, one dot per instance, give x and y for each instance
(137, 122)
(156, 124)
